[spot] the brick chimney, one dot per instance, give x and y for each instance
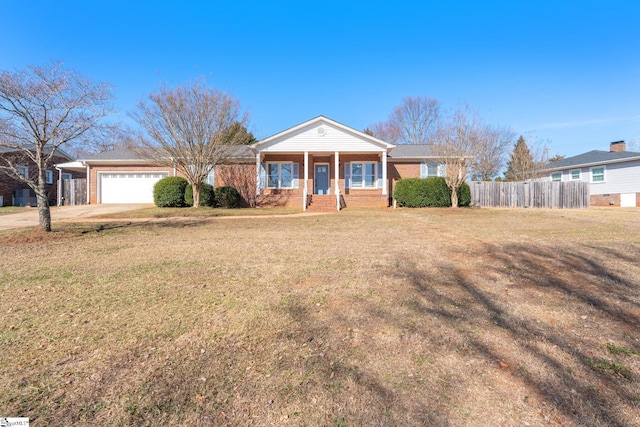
(617, 147)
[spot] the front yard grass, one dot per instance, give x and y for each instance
(8, 210)
(156, 212)
(385, 317)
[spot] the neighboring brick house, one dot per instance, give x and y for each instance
(121, 176)
(317, 165)
(16, 192)
(614, 175)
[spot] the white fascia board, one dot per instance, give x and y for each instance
(320, 119)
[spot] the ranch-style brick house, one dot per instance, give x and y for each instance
(613, 176)
(319, 164)
(16, 193)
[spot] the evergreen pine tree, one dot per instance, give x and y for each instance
(520, 166)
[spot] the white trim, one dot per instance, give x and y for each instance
(604, 174)
(375, 175)
(305, 189)
(328, 176)
(258, 172)
(321, 119)
(291, 187)
(336, 171)
(385, 183)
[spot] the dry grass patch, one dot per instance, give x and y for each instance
(202, 212)
(407, 317)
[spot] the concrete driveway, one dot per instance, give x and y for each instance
(29, 217)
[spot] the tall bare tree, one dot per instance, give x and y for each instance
(43, 109)
(458, 139)
(414, 121)
(491, 151)
(190, 128)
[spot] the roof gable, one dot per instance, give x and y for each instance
(321, 134)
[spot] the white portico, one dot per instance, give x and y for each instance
(321, 159)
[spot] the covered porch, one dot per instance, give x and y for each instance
(322, 165)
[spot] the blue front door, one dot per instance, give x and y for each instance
(321, 179)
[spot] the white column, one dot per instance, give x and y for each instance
(337, 180)
(257, 173)
(305, 189)
(89, 186)
(385, 184)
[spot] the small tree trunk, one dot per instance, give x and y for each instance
(44, 213)
(196, 195)
(454, 197)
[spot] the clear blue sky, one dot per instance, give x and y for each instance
(566, 72)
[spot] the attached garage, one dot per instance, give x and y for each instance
(123, 187)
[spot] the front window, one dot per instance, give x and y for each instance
(363, 175)
(556, 177)
(597, 174)
(210, 179)
(23, 171)
(49, 177)
(575, 175)
(280, 175)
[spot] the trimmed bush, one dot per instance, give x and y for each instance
(206, 195)
(227, 197)
(464, 195)
(169, 192)
(428, 192)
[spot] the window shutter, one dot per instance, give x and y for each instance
(296, 173)
(423, 170)
(347, 175)
(379, 175)
(263, 175)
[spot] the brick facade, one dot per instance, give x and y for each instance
(351, 196)
(609, 200)
(9, 185)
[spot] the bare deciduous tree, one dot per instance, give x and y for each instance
(456, 143)
(415, 121)
(189, 128)
(491, 150)
(43, 109)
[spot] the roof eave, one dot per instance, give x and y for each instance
(589, 164)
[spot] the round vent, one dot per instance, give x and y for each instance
(322, 131)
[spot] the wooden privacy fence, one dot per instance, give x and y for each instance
(530, 194)
(74, 191)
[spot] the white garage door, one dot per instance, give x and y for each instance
(128, 187)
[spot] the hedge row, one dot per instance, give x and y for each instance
(175, 192)
(428, 192)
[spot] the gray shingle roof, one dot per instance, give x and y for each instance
(237, 152)
(591, 157)
(412, 151)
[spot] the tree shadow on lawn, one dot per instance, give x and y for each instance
(518, 288)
